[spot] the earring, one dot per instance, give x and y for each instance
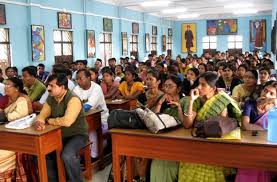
(16, 90)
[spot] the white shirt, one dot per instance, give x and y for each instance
(42, 100)
(94, 96)
(2, 89)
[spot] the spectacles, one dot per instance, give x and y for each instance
(8, 86)
(166, 86)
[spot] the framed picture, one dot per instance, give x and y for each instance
(38, 42)
(189, 37)
(222, 27)
(154, 30)
(107, 25)
(170, 32)
(91, 48)
(64, 20)
(124, 43)
(147, 42)
(164, 43)
(257, 35)
(2, 15)
(135, 28)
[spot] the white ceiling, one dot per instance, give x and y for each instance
(207, 9)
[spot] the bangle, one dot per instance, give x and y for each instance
(188, 115)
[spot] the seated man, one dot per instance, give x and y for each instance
(64, 108)
(57, 69)
(92, 97)
(32, 86)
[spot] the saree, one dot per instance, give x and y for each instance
(162, 170)
(190, 172)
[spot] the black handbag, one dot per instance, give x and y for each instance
(3, 117)
(125, 119)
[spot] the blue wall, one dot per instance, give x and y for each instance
(86, 14)
(243, 29)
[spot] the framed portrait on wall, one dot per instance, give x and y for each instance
(163, 43)
(257, 35)
(222, 27)
(135, 28)
(154, 30)
(189, 38)
(170, 32)
(147, 42)
(124, 41)
(107, 25)
(64, 20)
(38, 42)
(2, 14)
(91, 48)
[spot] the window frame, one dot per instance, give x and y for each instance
(235, 42)
(108, 43)
(209, 42)
(8, 44)
(61, 42)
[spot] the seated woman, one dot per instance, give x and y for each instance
(205, 102)
(250, 113)
(108, 85)
(202, 68)
(228, 79)
(131, 88)
(19, 106)
(248, 87)
(255, 117)
(242, 69)
(151, 97)
(119, 73)
(94, 75)
(171, 103)
(191, 81)
(264, 75)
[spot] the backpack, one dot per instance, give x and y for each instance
(125, 119)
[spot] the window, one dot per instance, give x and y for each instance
(209, 42)
(106, 47)
(63, 46)
(234, 42)
(169, 45)
(134, 45)
(154, 45)
(5, 54)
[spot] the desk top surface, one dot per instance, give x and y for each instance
(93, 111)
(114, 102)
(185, 134)
(29, 131)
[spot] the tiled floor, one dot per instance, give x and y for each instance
(102, 176)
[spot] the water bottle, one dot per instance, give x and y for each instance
(272, 125)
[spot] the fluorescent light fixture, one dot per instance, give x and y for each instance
(239, 5)
(245, 11)
(185, 16)
(155, 3)
(174, 10)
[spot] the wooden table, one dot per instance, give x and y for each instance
(179, 145)
(120, 104)
(93, 117)
(39, 143)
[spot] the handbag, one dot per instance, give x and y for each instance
(120, 118)
(214, 127)
(156, 123)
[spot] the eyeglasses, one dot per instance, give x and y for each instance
(8, 86)
(166, 86)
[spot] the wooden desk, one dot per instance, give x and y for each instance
(122, 104)
(39, 143)
(93, 118)
(179, 145)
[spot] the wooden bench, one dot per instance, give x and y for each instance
(93, 118)
(85, 155)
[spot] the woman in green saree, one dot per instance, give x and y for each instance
(172, 104)
(205, 102)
